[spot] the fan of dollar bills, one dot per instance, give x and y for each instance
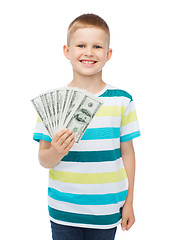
(68, 107)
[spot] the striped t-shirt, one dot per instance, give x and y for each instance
(89, 186)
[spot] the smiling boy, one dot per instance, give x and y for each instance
(88, 50)
(91, 183)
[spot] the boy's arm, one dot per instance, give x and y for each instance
(128, 156)
(48, 157)
(50, 154)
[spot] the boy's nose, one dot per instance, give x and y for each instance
(89, 52)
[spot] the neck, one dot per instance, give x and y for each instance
(93, 83)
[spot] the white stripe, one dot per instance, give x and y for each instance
(115, 101)
(40, 128)
(89, 188)
(90, 167)
(130, 108)
(111, 86)
(85, 209)
(86, 225)
(105, 121)
(96, 145)
(129, 128)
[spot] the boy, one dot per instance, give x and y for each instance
(91, 183)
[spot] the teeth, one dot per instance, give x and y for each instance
(88, 61)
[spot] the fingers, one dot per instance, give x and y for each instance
(127, 223)
(58, 135)
(124, 224)
(130, 222)
(69, 145)
(128, 217)
(63, 141)
(64, 137)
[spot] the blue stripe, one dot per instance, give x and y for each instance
(130, 136)
(88, 199)
(85, 218)
(116, 93)
(92, 156)
(101, 133)
(41, 136)
(90, 134)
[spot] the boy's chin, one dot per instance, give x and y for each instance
(88, 73)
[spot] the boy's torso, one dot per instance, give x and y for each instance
(91, 180)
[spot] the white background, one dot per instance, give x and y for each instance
(31, 60)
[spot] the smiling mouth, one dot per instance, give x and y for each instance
(88, 61)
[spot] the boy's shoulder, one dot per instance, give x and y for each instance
(113, 91)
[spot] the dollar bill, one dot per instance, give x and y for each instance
(74, 99)
(52, 105)
(45, 102)
(69, 107)
(59, 102)
(66, 99)
(83, 115)
(37, 103)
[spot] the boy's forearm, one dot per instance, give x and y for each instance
(129, 164)
(49, 158)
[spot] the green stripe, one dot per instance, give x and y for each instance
(38, 120)
(84, 218)
(88, 178)
(131, 117)
(92, 156)
(116, 93)
(111, 111)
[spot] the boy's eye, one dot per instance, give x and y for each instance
(97, 47)
(81, 45)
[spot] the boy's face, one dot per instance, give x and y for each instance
(88, 50)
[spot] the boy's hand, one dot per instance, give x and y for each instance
(128, 218)
(63, 141)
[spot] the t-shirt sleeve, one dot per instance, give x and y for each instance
(129, 124)
(40, 132)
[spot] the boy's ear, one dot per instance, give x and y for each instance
(109, 54)
(66, 51)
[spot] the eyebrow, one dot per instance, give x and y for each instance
(82, 42)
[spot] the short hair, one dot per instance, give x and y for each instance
(88, 20)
